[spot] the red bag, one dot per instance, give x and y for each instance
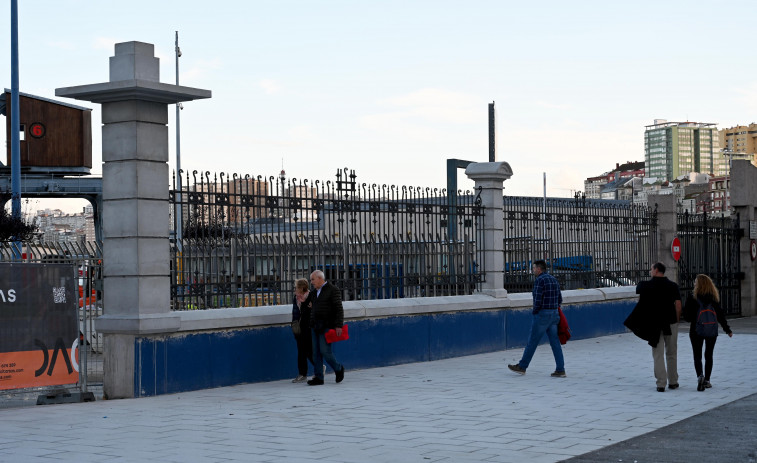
(563, 330)
(332, 337)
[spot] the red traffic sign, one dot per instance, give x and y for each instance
(675, 248)
(753, 249)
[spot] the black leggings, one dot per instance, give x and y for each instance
(709, 347)
(304, 353)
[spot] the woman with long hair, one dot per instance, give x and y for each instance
(704, 296)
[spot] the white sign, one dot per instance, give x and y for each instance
(753, 229)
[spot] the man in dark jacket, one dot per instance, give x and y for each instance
(327, 313)
(655, 319)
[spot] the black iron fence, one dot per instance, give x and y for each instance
(710, 245)
(586, 243)
(243, 240)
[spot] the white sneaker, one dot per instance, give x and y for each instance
(300, 379)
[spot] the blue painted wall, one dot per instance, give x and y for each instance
(170, 364)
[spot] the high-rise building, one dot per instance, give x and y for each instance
(740, 142)
(672, 149)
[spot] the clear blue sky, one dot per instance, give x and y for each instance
(393, 88)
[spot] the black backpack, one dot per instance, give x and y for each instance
(707, 321)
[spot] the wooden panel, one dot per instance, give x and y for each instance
(67, 141)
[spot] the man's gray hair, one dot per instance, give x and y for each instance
(319, 274)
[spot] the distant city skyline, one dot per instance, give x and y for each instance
(393, 89)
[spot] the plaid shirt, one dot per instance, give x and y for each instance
(546, 293)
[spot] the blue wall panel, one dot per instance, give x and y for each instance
(457, 334)
(594, 320)
(517, 327)
(385, 341)
(169, 364)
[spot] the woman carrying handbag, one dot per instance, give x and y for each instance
(301, 328)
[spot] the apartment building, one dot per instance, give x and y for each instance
(672, 149)
(740, 142)
(595, 186)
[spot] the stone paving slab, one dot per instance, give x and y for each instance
(463, 409)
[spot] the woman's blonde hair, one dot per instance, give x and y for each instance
(302, 285)
(704, 286)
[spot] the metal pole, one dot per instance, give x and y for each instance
(492, 133)
(15, 118)
(178, 157)
(86, 301)
(544, 220)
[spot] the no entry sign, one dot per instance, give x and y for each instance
(675, 248)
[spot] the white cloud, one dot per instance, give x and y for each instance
(61, 45)
(433, 104)
(199, 70)
(568, 156)
(105, 43)
(747, 98)
(551, 105)
(426, 116)
(270, 86)
(303, 133)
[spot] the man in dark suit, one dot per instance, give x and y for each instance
(327, 313)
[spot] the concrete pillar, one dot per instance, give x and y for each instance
(136, 253)
(667, 229)
(744, 202)
(490, 176)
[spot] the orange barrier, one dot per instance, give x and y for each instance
(86, 301)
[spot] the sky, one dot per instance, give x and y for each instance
(392, 89)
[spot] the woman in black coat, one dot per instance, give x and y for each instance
(705, 293)
(301, 313)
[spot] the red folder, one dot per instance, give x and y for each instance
(332, 337)
(563, 330)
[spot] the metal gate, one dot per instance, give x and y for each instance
(710, 245)
(86, 258)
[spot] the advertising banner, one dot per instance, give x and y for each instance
(38, 325)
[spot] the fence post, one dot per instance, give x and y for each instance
(489, 177)
(744, 202)
(667, 228)
(135, 206)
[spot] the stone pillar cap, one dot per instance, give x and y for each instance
(489, 171)
(134, 75)
(123, 90)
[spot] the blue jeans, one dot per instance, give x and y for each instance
(544, 322)
(322, 353)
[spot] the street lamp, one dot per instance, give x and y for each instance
(728, 152)
(726, 194)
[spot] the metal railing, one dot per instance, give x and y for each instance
(245, 240)
(586, 243)
(710, 245)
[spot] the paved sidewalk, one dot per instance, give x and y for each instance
(467, 409)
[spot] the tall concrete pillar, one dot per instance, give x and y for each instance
(136, 253)
(667, 229)
(744, 202)
(490, 177)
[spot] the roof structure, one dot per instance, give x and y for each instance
(4, 103)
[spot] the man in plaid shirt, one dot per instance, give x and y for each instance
(547, 298)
